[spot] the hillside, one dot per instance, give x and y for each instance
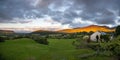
(45, 32)
(6, 31)
(93, 28)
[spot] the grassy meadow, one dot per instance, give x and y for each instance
(58, 49)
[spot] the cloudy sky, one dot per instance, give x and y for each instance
(58, 14)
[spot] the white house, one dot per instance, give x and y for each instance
(96, 35)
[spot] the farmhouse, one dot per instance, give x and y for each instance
(96, 36)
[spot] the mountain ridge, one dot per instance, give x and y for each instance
(89, 28)
(7, 31)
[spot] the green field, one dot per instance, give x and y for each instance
(58, 49)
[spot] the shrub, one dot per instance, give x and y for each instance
(2, 39)
(116, 50)
(41, 40)
(1, 57)
(93, 46)
(79, 43)
(112, 47)
(106, 38)
(117, 31)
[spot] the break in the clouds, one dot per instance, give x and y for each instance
(58, 14)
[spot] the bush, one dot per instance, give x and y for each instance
(79, 43)
(112, 47)
(93, 46)
(2, 39)
(117, 31)
(41, 40)
(106, 38)
(116, 50)
(1, 57)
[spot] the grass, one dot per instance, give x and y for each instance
(58, 49)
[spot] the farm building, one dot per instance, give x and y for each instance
(96, 35)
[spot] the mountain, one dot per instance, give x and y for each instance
(6, 31)
(45, 32)
(93, 28)
(38, 31)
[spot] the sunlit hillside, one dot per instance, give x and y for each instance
(93, 28)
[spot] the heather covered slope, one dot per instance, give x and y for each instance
(93, 28)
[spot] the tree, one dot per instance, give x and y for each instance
(2, 39)
(41, 40)
(91, 32)
(117, 31)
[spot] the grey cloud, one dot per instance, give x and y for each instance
(91, 7)
(118, 21)
(93, 10)
(4, 16)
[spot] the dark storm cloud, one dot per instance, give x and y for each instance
(4, 16)
(63, 11)
(92, 7)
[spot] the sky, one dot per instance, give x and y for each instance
(29, 15)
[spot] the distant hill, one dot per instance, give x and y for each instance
(6, 31)
(93, 28)
(45, 32)
(89, 28)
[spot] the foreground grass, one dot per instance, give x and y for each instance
(58, 49)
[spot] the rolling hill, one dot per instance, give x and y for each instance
(6, 31)
(45, 32)
(93, 28)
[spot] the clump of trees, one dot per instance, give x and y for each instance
(1, 57)
(2, 39)
(113, 47)
(117, 31)
(105, 38)
(41, 40)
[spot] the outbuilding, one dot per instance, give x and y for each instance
(96, 36)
